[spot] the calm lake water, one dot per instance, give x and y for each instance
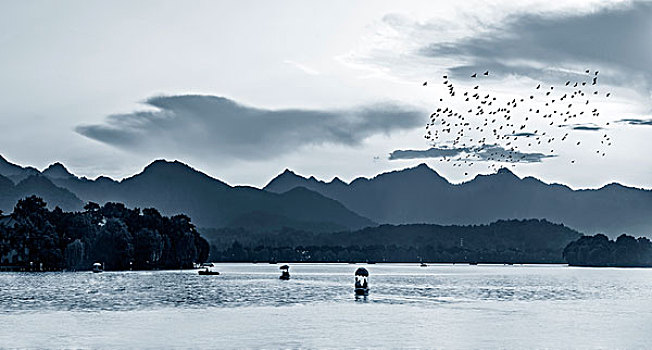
(439, 306)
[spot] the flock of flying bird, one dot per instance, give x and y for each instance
(485, 127)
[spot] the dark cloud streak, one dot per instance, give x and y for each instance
(636, 121)
(616, 36)
(429, 153)
(217, 126)
(587, 128)
(484, 153)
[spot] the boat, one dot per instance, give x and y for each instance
(97, 267)
(361, 283)
(285, 273)
(423, 265)
(208, 272)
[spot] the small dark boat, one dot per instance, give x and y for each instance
(423, 265)
(208, 272)
(285, 272)
(97, 267)
(361, 281)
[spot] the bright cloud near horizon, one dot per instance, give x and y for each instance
(242, 90)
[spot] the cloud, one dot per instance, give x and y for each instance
(524, 134)
(614, 36)
(217, 126)
(433, 152)
(584, 127)
(636, 121)
(587, 128)
(494, 153)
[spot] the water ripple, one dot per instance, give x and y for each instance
(242, 285)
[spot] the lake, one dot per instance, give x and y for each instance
(247, 306)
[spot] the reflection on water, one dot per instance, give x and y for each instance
(258, 285)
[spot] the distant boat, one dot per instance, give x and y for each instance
(423, 265)
(97, 267)
(285, 273)
(361, 281)
(208, 272)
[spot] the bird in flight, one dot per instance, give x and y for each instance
(469, 129)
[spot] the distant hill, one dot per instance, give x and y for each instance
(40, 186)
(505, 241)
(15, 173)
(420, 195)
(174, 187)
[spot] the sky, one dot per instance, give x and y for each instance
(243, 90)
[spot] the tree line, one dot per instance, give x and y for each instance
(504, 241)
(34, 237)
(599, 250)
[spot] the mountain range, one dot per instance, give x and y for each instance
(173, 187)
(421, 195)
(408, 196)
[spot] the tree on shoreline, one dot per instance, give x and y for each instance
(120, 237)
(599, 250)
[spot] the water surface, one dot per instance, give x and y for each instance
(440, 306)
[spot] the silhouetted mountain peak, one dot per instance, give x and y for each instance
(105, 179)
(53, 195)
(36, 179)
(164, 170)
(14, 171)
(165, 164)
(165, 167)
(616, 187)
(422, 168)
(504, 171)
(288, 172)
(57, 170)
(502, 175)
(421, 172)
(285, 181)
